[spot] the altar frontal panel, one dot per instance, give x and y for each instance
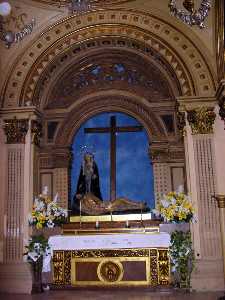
(136, 267)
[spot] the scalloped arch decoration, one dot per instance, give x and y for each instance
(183, 56)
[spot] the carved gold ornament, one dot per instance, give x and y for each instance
(15, 130)
(201, 120)
(192, 16)
(110, 271)
(36, 130)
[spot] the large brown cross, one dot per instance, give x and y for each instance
(113, 129)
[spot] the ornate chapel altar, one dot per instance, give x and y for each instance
(118, 250)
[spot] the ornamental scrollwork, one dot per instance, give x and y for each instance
(201, 120)
(193, 16)
(16, 130)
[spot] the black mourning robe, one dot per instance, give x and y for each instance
(81, 187)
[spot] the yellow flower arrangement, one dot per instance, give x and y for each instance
(175, 207)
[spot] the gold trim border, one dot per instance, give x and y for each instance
(157, 265)
(108, 218)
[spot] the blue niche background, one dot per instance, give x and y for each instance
(134, 174)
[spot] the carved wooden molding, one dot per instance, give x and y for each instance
(189, 65)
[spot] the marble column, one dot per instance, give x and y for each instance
(221, 205)
(18, 125)
(202, 185)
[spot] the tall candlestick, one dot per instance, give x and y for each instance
(127, 223)
(80, 212)
(97, 224)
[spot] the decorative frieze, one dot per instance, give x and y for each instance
(16, 130)
(159, 154)
(166, 154)
(201, 120)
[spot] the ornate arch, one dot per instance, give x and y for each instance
(105, 102)
(194, 74)
(156, 79)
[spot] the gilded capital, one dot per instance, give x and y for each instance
(201, 120)
(220, 200)
(16, 130)
(36, 131)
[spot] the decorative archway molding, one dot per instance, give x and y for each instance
(194, 74)
(68, 65)
(109, 101)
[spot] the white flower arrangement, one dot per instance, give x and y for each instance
(47, 213)
(175, 207)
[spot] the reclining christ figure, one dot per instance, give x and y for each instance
(88, 197)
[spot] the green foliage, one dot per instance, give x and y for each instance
(37, 247)
(182, 257)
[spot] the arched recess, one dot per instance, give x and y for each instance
(191, 68)
(108, 101)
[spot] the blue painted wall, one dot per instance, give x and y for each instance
(134, 169)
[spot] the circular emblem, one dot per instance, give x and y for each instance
(110, 271)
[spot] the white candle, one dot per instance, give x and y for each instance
(127, 223)
(97, 224)
(45, 190)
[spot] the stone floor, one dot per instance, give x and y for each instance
(132, 294)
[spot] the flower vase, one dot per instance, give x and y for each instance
(171, 227)
(47, 232)
(36, 270)
(184, 282)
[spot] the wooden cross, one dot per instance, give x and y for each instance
(113, 129)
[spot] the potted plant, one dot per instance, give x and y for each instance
(36, 250)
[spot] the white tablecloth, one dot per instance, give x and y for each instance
(109, 241)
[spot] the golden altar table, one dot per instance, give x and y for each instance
(122, 259)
